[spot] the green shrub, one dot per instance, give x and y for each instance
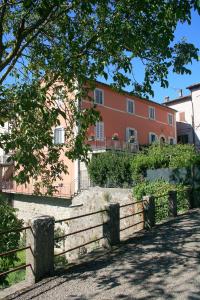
(111, 169)
(163, 156)
(58, 232)
(159, 189)
(9, 241)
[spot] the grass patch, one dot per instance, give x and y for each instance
(17, 276)
(60, 261)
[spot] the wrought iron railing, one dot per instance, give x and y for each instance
(108, 143)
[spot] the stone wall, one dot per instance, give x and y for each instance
(95, 199)
(88, 201)
(29, 206)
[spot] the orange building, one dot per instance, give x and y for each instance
(129, 116)
(127, 122)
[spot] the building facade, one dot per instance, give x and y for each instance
(127, 122)
(188, 116)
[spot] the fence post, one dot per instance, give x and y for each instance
(172, 202)
(149, 211)
(40, 237)
(111, 229)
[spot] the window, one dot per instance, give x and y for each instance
(131, 135)
(170, 119)
(59, 135)
(151, 113)
(98, 96)
(152, 137)
(130, 106)
(171, 141)
(99, 131)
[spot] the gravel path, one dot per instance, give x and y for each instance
(161, 264)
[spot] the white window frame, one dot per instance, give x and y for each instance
(149, 112)
(127, 133)
(102, 91)
(150, 134)
(62, 137)
(99, 132)
(172, 119)
(127, 106)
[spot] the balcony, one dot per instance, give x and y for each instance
(110, 144)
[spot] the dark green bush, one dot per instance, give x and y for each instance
(111, 169)
(8, 241)
(159, 189)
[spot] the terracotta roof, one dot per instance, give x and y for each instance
(177, 100)
(193, 86)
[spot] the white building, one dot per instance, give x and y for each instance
(188, 115)
(3, 129)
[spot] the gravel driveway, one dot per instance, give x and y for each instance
(161, 264)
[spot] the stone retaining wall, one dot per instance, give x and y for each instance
(88, 201)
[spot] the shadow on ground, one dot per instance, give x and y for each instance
(161, 264)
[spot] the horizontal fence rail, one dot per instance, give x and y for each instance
(132, 203)
(78, 231)
(132, 225)
(15, 230)
(16, 269)
(80, 216)
(62, 237)
(13, 251)
(131, 215)
(79, 246)
(141, 211)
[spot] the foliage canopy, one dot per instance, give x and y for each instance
(76, 41)
(110, 169)
(163, 156)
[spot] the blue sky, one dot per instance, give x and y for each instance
(176, 81)
(192, 34)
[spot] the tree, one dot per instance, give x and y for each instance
(75, 41)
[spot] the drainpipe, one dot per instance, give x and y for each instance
(78, 162)
(193, 125)
(194, 142)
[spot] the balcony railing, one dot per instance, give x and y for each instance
(110, 144)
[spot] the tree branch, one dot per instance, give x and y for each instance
(22, 34)
(3, 11)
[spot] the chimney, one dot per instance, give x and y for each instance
(166, 99)
(180, 93)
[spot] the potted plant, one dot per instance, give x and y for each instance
(115, 137)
